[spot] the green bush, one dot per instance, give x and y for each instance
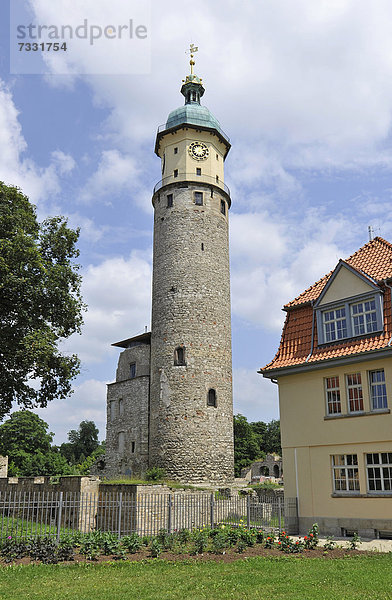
(132, 543)
(155, 474)
(155, 548)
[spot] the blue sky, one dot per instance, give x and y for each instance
(303, 89)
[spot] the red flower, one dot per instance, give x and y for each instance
(305, 537)
(279, 542)
(311, 535)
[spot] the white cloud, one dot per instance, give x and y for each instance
(254, 396)
(16, 167)
(118, 295)
(88, 402)
(115, 173)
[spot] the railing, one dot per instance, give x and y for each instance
(220, 130)
(191, 178)
(54, 513)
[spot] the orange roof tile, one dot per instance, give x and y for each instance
(374, 260)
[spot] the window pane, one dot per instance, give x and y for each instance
(378, 391)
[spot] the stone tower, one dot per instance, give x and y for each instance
(171, 405)
(191, 407)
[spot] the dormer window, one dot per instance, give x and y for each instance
(364, 317)
(349, 319)
(335, 324)
(359, 313)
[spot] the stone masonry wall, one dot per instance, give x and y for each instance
(191, 308)
(3, 466)
(127, 416)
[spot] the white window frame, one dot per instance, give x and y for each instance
(385, 472)
(354, 386)
(348, 304)
(367, 327)
(375, 384)
(332, 390)
(339, 332)
(345, 472)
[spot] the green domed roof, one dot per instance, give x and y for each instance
(194, 114)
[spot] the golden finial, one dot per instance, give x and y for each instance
(192, 50)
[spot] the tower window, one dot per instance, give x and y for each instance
(132, 370)
(113, 410)
(133, 444)
(169, 200)
(211, 398)
(121, 441)
(217, 157)
(217, 179)
(199, 198)
(202, 246)
(179, 356)
(121, 407)
(198, 171)
(223, 207)
(175, 173)
(175, 150)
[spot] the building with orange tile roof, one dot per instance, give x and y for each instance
(334, 372)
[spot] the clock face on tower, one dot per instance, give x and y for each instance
(198, 150)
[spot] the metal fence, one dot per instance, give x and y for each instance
(55, 513)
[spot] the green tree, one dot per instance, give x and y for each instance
(270, 436)
(40, 303)
(247, 444)
(26, 441)
(82, 442)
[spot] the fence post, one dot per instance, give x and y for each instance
(119, 514)
(59, 515)
(212, 510)
(280, 513)
(248, 511)
(169, 513)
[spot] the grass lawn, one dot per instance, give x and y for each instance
(367, 577)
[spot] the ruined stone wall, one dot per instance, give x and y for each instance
(191, 309)
(128, 415)
(3, 466)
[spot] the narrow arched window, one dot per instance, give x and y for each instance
(179, 356)
(211, 397)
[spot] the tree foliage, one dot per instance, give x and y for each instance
(40, 303)
(26, 441)
(82, 442)
(252, 441)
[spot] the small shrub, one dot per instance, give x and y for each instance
(165, 538)
(44, 549)
(219, 543)
(311, 540)
(132, 543)
(12, 549)
(65, 551)
(110, 544)
(200, 540)
(233, 535)
(183, 536)
(259, 536)
(288, 545)
(329, 544)
(354, 542)
(90, 548)
(269, 541)
(241, 546)
(248, 536)
(155, 474)
(155, 548)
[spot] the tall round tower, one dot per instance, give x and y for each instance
(191, 406)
